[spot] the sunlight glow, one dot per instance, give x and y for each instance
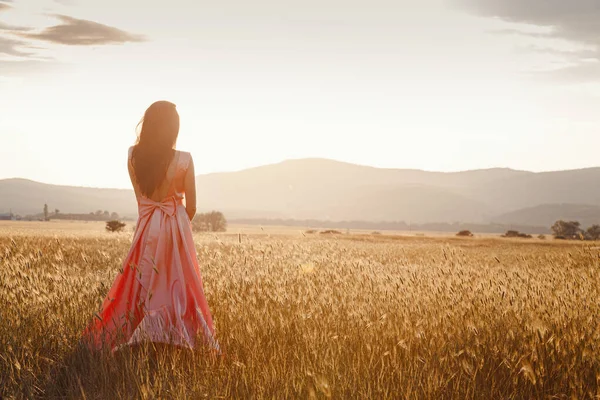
(419, 86)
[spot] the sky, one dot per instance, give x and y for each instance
(440, 85)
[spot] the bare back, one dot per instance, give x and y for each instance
(179, 181)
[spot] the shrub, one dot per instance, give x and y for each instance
(213, 221)
(310, 232)
(542, 237)
(331, 232)
(376, 233)
(465, 233)
(115, 226)
(516, 234)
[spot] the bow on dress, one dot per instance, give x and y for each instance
(168, 206)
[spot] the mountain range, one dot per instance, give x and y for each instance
(324, 189)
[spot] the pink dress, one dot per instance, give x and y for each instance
(158, 294)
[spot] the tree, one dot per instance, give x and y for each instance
(516, 234)
(593, 232)
(465, 234)
(213, 221)
(566, 230)
(115, 226)
(56, 211)
(114, 215)
(46, 217)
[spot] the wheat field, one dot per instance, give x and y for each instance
(345, 316)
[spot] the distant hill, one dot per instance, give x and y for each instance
(523, 191)
(28, 197)
(547, 214)
(326, 189)
(330, 190)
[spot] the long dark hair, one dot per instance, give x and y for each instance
(155, 145)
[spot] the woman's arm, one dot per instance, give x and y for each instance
(190, 190)
(132, 174)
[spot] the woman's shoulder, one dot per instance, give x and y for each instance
(184, 158)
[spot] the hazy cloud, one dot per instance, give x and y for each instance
(540, 35)
(7, 27)
(71, 31)
(82, 32)
(573, 20)
(583, 72)
(573, 56)
(11, 47)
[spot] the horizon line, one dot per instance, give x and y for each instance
(321, 159)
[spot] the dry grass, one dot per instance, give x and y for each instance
(340, 317)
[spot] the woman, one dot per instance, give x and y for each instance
(158, 295)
